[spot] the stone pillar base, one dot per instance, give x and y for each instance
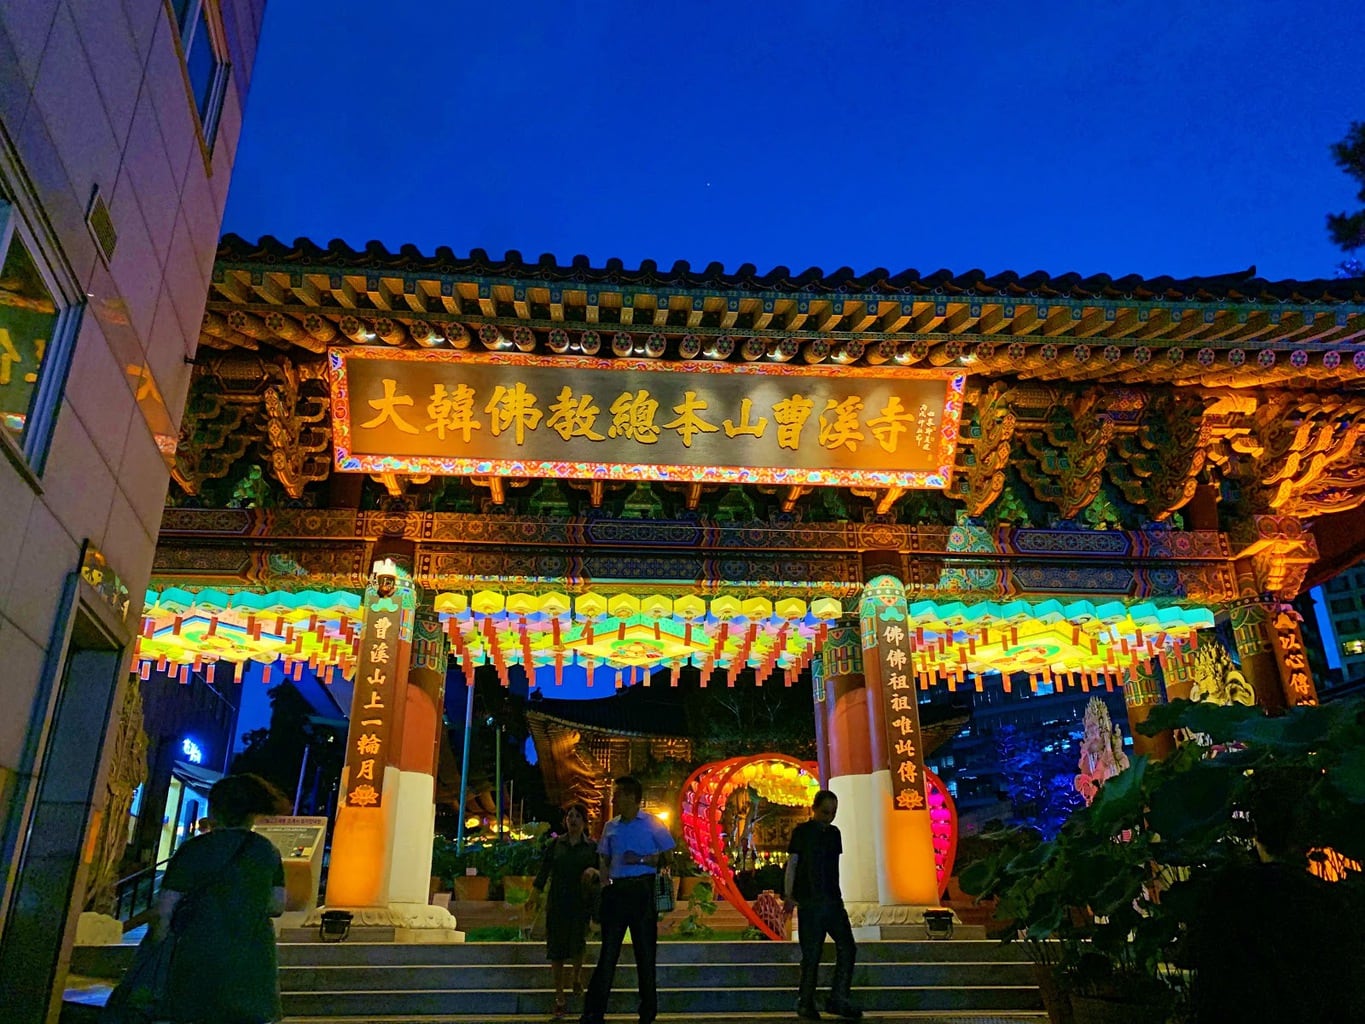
(98, 930)
(411, 922)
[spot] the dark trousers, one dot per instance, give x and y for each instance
(815, 920)
(626, 903)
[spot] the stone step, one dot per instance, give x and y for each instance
(111, 961)
(624, 1001)
(360, 981)
(697, 975)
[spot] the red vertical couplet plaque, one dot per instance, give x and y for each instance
(886, 636)
(385, 646)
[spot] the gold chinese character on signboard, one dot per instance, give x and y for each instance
(689, 422)
(367, 743)
(377, 678)
(791, 415)
(375, 704)
(379, 654)
(904, 748)
(381, 627)
(900, 703)
(906, 727)
(839, 426)
(744, 426)
(633, 417)
(898, 681)
(893, 634)
(387, 407)
(574, 417)
(453, 411)
(907, 771)
(893, 421)
(896, 657)
(366, 769)
(515, 408)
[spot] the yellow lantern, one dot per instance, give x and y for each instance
(689, 607)
(725, 608)
(522, 604)
(757, 608)
(656, 606)
(487, 602)
(453, 604)
(623, 606)
(790, 608)
(827, 608)
(590, 605)
(554, 604)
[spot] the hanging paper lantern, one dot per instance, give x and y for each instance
(589, 605)
(757, 608)
(790, 608)
(451, 604)
(555, 604)
(522, 604)
(726, 608)
(623, 606)
(487, 602)
(656, 606)
(689, 606)
(828, 608)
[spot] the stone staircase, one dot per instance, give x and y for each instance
(353, 981)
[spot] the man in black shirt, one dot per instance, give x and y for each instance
(812, 884)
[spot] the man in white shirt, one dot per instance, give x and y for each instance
(633, 849)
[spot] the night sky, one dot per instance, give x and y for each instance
(1120, 137)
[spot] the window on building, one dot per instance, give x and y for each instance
(206, 60)
(1353, 647)
(36, 328)
(1343, 604)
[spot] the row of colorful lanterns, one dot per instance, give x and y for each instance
(591, 605)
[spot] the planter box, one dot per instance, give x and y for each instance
(472, 887)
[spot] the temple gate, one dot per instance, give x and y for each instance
(1061, 483)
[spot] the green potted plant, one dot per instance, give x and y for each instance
(1122, 890)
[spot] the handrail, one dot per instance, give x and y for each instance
(135, 894)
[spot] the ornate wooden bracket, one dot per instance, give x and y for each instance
(1068, 456)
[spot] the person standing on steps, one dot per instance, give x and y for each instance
(567, 860)
(812, 887)
(633, 849)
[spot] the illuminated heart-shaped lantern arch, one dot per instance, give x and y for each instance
(783, 780)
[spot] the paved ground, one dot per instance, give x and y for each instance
(674, 1018)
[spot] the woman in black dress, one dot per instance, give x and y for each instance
(228, 884)
(568, 859)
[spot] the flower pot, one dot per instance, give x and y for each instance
(472, 887)
(1055, 1001)
(1096, 1010)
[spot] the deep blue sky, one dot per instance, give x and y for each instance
(1181, 138)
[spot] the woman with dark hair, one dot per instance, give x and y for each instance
(219, 893)
(570, 861)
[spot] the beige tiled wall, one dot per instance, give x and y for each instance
(93, 94)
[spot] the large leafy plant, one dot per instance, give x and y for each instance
(1111, 897)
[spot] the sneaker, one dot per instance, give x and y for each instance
(807, 1011)
(844, 1010)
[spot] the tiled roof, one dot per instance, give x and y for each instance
(1237, 286)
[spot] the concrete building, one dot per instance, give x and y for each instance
(119, 122)
(1345, 594)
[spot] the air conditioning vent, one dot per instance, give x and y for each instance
(101, 225)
